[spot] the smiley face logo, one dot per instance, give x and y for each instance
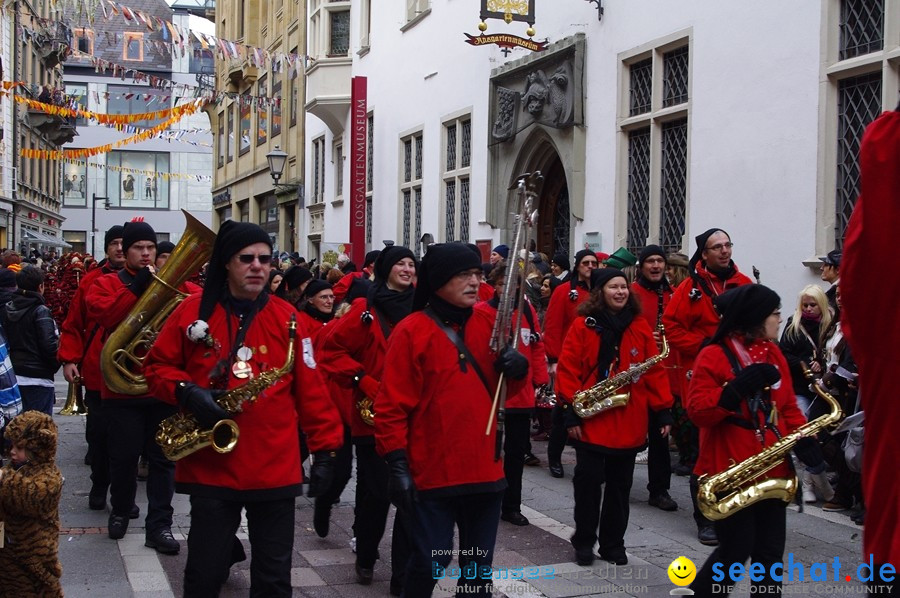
(682, 571)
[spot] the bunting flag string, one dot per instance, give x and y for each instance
(102, 149)
(202, 178)
(176, 112)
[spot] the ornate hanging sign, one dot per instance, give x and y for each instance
(507, 11)
(506, 41)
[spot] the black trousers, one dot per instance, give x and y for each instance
(699, 518)
(659, 464)
(558, 436)
(599, 509)
(97, 431)
(132, 429)
(211, 546)
(343, 471)
(477, 517)
(372, 505)
(757, 533)
(515, 444)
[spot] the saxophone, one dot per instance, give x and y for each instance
(604, 395)
(366, 411)
(723, 494)
(180, 435)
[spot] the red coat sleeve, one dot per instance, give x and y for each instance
(680, 330)
(656, 380)
(401, 386)
(73, 330)
(160, 367)
(319, 417)
(109, 301)
(344, 344)
(574, 360)
(539, 373)
(555, 321)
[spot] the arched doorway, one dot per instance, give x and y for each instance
(552, 234)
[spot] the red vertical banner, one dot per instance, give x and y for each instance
(358, 136)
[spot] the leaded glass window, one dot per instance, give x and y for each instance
(418, 210)
(673, 195)
(675, 77)
(859, 103)
(861, 27)
(464, 210)
(450, 214)
(641, 77)
(466, 144)
(406, 217)
(407, 161)
(638, 188)
(451, 147)
(456, 173)
(340, 33)
(418, 156)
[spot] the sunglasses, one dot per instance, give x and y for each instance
(247, 258)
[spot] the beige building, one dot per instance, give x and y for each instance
(263, 109)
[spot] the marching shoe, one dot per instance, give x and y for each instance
(833, 506)
(163, 541)
(707, 536)
(96, 502)
(117, 526)
(135, 512)
(556, 470)
(514, 517)
(617, 559)
(363, 575)
(321, 517)
(531, 460)
(584, 557)
(663, 501)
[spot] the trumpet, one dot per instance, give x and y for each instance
(74, 399)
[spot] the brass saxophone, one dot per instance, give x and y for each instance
(366, 411)
(604, 395)
(180, 435)
(725, 493)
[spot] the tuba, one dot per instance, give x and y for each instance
(74, 399)
(605, 394)
(180, 435)
(123, 352)
(723, 494)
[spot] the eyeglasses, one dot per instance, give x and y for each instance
(247, 258)
(720, 246)
(466, 275)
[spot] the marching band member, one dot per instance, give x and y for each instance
(742, 400)
(317, 308)
(608, 337)
(353, 355)
(433, 404)
(79, 352)
(217, 341)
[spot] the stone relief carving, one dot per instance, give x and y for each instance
(507, 114)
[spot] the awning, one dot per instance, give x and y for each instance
(34, 236)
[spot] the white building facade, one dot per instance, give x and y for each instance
(651, 124)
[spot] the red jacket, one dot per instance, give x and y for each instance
(313, 326)
(722, 441)
(623, 428)
(78, 328)
(520, 393)
(689, 322)
(353, 347)
(109, 301)
(560, 315)
(485, 291)
(342, 286)
(868, 298)
(649, 302)
(265, 464)
(437, 413)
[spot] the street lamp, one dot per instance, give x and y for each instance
(277, 159)
(94, 200)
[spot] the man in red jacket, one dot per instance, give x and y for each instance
(690, 319)
(432, 408)
(653, 292)
(219, 341)
(560, 314)
(133, 419)
(79, 354)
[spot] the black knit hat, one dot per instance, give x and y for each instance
(561, 259)
(651, 250)
(114, 232)
(371, 257)
(164, 247)
(7, 279)
(701, 240)
(601, 276)
(294, 277)
(233, 236)
(442, 262)
(137, 231)
(315, 287)
(744, 308)
(583, 254)
(390, 256)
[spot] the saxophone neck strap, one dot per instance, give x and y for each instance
(760, 403)
(465, 356)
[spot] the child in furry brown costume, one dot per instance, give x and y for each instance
(30, 488)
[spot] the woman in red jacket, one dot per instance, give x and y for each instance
(742, 400)
(317, 308)
(606, 339)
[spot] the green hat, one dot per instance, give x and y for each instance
(620, 258)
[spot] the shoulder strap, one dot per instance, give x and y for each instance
(464, 354)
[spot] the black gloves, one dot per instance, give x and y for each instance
(141, 281)
(321, 473)
(511, 363)
(400, 485)
(201, 402)
(748, 381)
(810, 454)
(570, 418)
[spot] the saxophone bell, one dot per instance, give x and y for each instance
(224, 436)
(74, 399)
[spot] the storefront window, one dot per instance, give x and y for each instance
(74, 185)
(133, 181)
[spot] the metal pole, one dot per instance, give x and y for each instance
(93, 224)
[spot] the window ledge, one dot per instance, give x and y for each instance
(415, 20)
(335, 203)
(364, 50)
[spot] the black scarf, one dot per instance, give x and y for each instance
(661, 284)
(313, 312)
(395, 305)
(450, 313)
(611, 327)
(722, 274)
